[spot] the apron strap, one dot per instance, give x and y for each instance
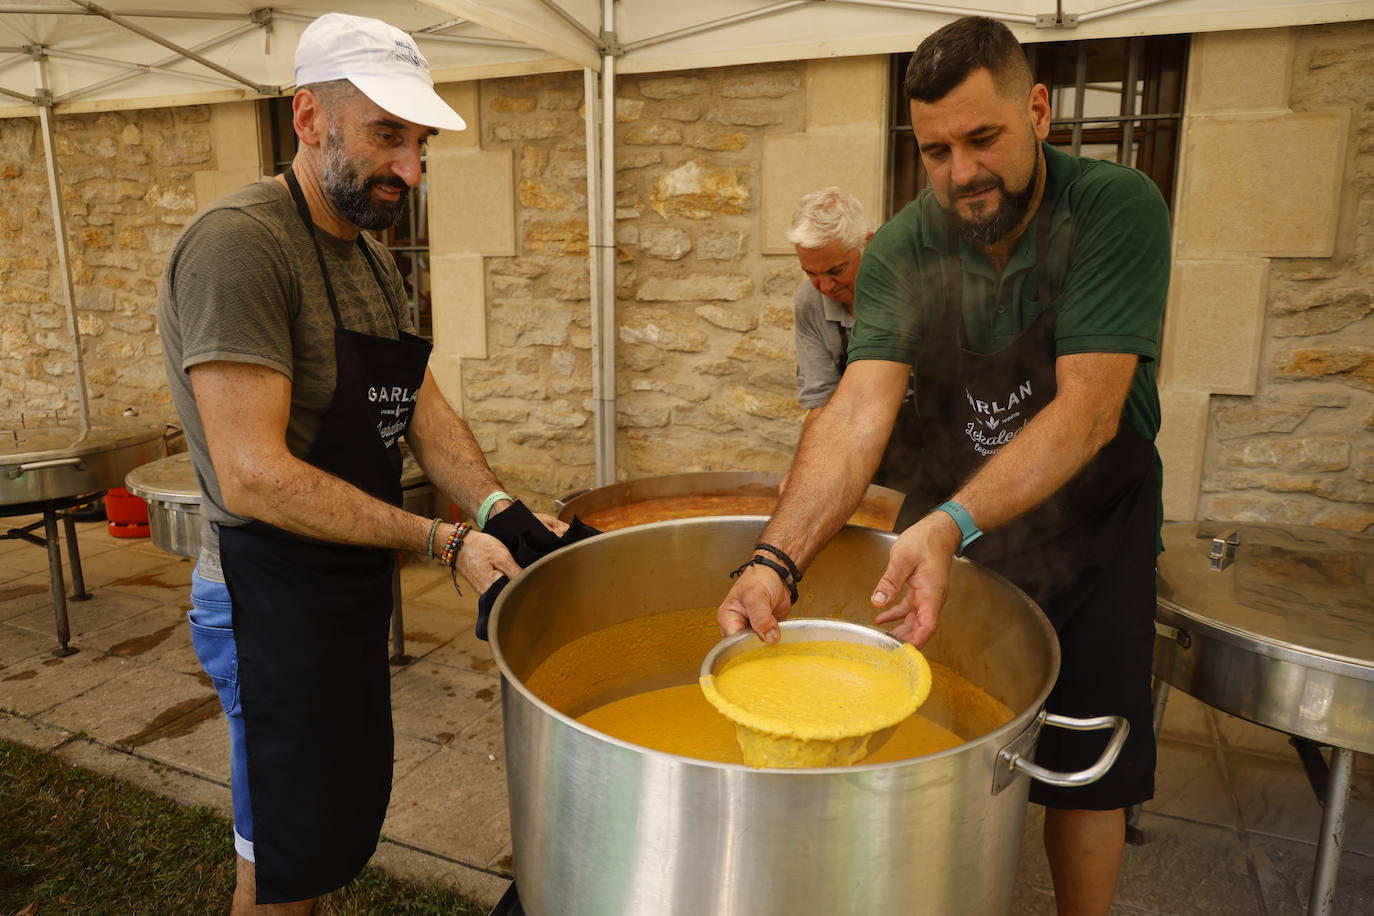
(303, 209)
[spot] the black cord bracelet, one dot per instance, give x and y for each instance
(787, 561)
(782, 573)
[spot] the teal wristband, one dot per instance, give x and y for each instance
(967, 529)
(487, 503)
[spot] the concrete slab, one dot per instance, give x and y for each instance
(35, 686)
(27, 593)
(183, 788)
(1189, 783)
(465, 651)
(1275, 799)
(454, 805)
(147, 636)
(478, 884)
(1285, 876)
(1187, 867)
(436, 702)
(486, 735)
(18, 644)
(1187, 719)
(429, 625)
(104, 608)
(409, 753)
(127, 565)
(198, 744)
(419, 578)
(29, 732)
(143, 705)
(165, 584)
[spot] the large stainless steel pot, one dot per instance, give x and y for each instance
(880, 502)
(600, 826)
(1281, 632)
(60, 461)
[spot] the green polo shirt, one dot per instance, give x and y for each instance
(1108, 259)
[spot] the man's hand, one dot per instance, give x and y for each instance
(552, 523)
(920, 560)
(483, 559)
(757, 600)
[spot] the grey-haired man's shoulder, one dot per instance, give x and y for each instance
(256, 212)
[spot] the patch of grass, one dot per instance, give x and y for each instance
(74, 841)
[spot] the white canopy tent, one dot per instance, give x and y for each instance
(71, 56)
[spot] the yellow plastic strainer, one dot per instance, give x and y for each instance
(818, 697)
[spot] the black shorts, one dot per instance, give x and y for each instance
(1107, 649)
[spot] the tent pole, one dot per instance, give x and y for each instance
(59, 225)
(591, 90)
(603, 315)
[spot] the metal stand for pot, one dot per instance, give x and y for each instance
(1256, 623)
(51, 509)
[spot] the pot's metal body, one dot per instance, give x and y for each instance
(881, 502)
(57, 462)
(173, 495)
(601, 826)
(1281, 634)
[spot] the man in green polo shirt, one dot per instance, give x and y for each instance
(1024, 288)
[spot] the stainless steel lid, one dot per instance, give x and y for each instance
(169, 480)
(1283, 590)
(44, 443)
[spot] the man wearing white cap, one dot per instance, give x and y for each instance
(294, 368)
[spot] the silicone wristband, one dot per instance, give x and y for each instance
(487, 503)
(967, 529)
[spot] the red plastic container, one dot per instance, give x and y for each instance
(127, 514)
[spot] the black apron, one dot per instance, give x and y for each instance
(903, 449)
(310, 626)
(971, 404)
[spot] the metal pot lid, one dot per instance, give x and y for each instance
(45, 443)
(1280, 589)
(169, 480)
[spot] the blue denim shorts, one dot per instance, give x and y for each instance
(212, 636)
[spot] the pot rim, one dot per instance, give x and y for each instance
(999, 737)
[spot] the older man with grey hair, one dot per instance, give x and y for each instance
(829, 231)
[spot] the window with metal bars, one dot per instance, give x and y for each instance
(408, 240)
(1111, 98)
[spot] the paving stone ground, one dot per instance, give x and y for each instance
(1232, 829)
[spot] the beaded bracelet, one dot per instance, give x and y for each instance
(449, 555)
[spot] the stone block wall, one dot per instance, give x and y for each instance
(128, 186)
(1268, 371)
(705, 360)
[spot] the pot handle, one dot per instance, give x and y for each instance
(18, 470)
(1121, 728)
(560, 502)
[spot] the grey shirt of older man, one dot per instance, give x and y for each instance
(822, 327)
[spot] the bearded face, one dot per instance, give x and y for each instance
(366, 198)
(983, 218)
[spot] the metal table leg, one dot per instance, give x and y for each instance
(79, 592)
(398, 631)
(59, 588)
(1322, 901)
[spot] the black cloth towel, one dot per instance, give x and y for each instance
(527, 540)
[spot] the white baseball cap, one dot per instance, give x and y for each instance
(381, 60)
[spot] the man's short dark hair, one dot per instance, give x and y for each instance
(946, 58)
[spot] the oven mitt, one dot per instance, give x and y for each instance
(527, 540)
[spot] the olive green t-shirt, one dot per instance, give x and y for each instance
(1108, 257)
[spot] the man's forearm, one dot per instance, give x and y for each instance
(1055, 445)
(299, 497)
(446, 449)
(835, 461)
